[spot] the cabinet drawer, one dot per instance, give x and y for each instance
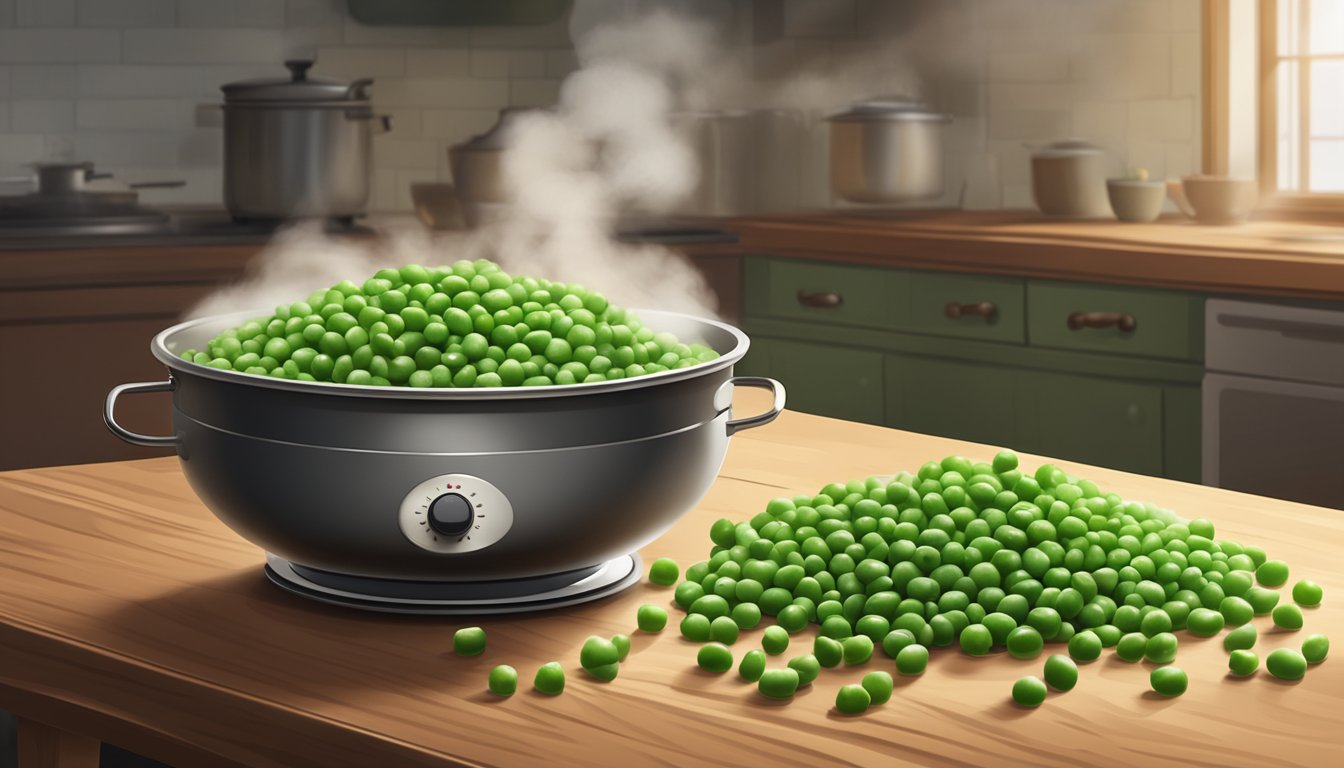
(825, 293)
(1095, 421)
(966, 306)
(1165, 323)
(839, 382)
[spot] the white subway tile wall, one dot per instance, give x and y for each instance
(132, 84)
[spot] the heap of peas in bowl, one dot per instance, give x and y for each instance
(470, 324)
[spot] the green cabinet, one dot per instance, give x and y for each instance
(884, 350)
(950, 398)
(828, 380)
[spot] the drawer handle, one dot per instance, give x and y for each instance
(985, 309)
(1122, 320)
(820, 299)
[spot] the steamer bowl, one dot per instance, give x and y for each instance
(330, 476)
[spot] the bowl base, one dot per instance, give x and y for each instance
(458, 597)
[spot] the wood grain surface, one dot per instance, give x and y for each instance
(128, 613)
(1261, 258)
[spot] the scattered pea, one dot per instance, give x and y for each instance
(622, 643)
(1315, 648)
(1061, 673)
(1307, 593)
(1286, 664)
(1169, 681)
(879, 686)
(1161, 648)
(1132, 647)
(975, 640)
(852, 699)
(1085, 646)
(664, 572)
(598, 652)
(1288, 616)
(714, 657)
(857, 649)
(1204, 622)
(651, 618)
(775, 640)
(807, 667)
(1240, 639)
(793, 618)
(752, 666)
(724, 630)
(778, 683)
(1236, 611)
(469, 641)
(550, 678)
(695, 627)
(1029, 692)
(828, 650)
(503, 680)
(1261, 600)
(1025, 643)
(1243, 663)
(1273, 573)
(912, 659)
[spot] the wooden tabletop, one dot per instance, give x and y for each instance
(1298, 259)
(129, 614)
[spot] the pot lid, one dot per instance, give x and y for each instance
(894, 107)
(297, 87)
(1067, 148)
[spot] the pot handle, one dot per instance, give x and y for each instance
(758, 382)
(125, 434)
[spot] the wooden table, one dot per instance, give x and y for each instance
(129, 614)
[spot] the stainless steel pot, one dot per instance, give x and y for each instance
(887, 150)
(298, 147)
(341, 478)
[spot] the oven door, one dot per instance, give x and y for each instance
(1274, 438)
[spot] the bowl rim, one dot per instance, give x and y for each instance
(159, 348)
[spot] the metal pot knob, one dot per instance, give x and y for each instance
(298, 68)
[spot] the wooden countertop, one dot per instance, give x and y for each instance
(129, 613)
(1262, 257)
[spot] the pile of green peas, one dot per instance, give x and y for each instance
(980, 555)
(470, 324)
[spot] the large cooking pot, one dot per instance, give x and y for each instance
(887, 150)
(297, 146)
(343, 479)
(1068, 178)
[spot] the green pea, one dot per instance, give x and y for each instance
(715, 658)
(852, 699)
(1261, 600)
(807, 667)
(879, 686)
(1286, 664)
(1307, 593)
(1236, 611)
(1206, 623)
(1029, 692)
(1243, 663)
(752, 666)
(1061, 673)
(1132, 647)
(1161, 648)
(1273, 573)
(724, 630)
(695, 627)
(912, 659)
(1241, 638)
(857, 649)
(1168, 681)
(1154, 623)
(975, 639)
(598, 652)
(550, 679)
(469, 641)
(828, 651)
(622, 643)
(1288, 616)
(1315, 648)
(1025, 643)
(1085, 646)
(792, 618)
(503, 680)
(775, 640)
(778, 683)
(651, 618)
(664, 572)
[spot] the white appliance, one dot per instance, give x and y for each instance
(1274, 400)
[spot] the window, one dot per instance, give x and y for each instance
(1301, 104)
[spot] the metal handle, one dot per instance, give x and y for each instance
(125, 434)
(384, 121)
(1122, 320)
(985, 309)
(758, 382)
(820, 299)
(356, 89)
